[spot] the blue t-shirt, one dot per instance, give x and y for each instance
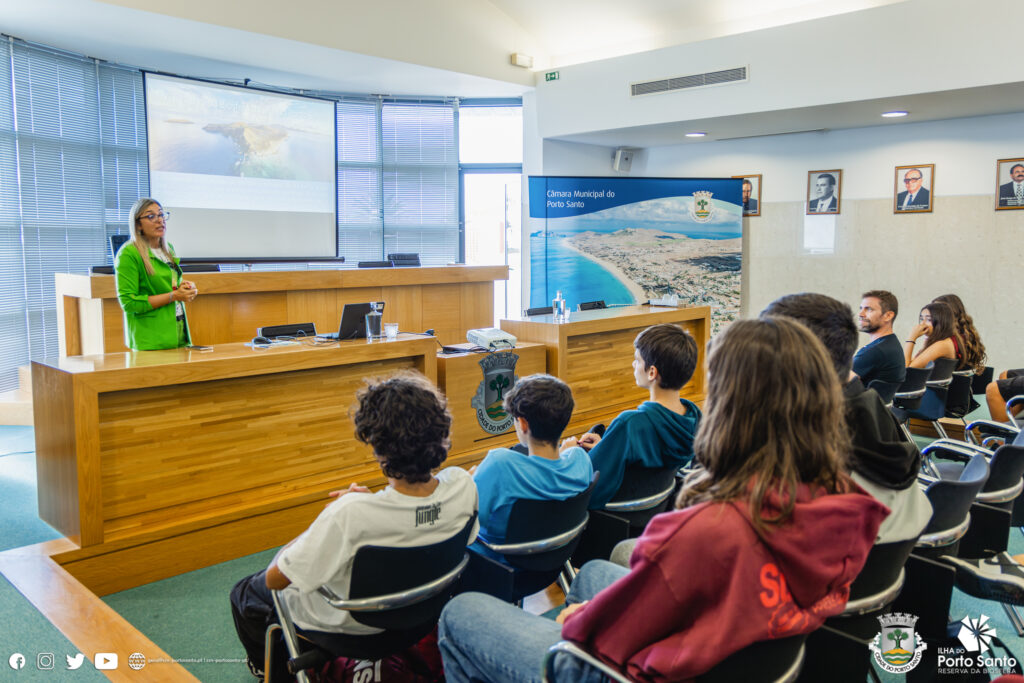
(505, 476)
(881, 359)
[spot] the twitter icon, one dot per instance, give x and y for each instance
(76, 661)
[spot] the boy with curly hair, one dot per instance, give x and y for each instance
(406, 421)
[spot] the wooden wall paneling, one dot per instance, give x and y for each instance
(442, 311)
(69, 339)
(112, 340)
(223, 318)
(56, 453)
(600, 372)
(318, 306)
(87, 441)
(405, 307)
(127, 567)
(477, 305)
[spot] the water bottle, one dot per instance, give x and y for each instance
(558, 306)
(373, 322)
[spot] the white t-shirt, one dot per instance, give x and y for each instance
(323, 553)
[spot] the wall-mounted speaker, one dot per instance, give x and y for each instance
(623, 159)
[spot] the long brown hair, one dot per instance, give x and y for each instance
(773, 419)
(973, 350)
(942, 323)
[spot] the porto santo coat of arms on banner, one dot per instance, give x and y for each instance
(499, 376)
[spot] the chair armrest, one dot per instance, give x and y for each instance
(994, 428)
(392, 600)
(571, 649)
(955, 450)
(871, 603)
(540, 546)
(925, 480)
(640, 503)
(909, 394)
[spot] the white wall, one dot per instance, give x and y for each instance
(964, 246)
(913, 47)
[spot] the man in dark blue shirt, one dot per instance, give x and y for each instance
(882, 357)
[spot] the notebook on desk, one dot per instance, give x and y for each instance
(353, 322)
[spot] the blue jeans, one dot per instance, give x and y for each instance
(486, 640)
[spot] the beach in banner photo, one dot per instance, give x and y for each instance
(627, 240)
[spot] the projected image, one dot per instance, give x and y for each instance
(199, 129)
(246, 173)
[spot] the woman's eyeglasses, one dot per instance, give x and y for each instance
(166, 215)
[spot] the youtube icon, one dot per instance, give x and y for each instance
(105, 660)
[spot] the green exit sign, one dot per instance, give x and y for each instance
(551, 76)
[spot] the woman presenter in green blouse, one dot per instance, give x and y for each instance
(150, 287)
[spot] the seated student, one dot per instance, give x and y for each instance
(1009, 384)
(940, 338)
(770, 534)
(882, 461)
(540, 406)
(406, 422)
(660, 432)
(973, 351)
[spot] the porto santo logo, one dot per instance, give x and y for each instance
(897, 647)
(977, 636)
(499, 376)
(702, 209)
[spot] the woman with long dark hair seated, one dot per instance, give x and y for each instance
(973, 351)
(769, 535)
(935, 326)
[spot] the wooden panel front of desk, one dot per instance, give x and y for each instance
(231, 306)
(593, 353)
(161, 462)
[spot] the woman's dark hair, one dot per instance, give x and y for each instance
(973, 350)
(773, 420)
(405, 420)
(942, 323)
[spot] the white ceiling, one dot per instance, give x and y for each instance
(560, 32)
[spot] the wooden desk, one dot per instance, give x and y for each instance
(460, 377)
(593, 352)
(231, 306)
(161, 462)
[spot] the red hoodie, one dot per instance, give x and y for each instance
(703, 585)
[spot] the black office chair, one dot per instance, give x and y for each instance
(951, 501)
(592, 305)
(908, 395)
(959, 399)
(778, 661)
(1001, 431)
(842, 643)
(644, 492)
(540, 538)
(933, 403)
(886, 390)
(400, 590)
(539, 310)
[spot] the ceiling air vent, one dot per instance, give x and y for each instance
(687, 82)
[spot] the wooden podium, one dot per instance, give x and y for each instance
(160, 462)
(230, 306)
(592, 351)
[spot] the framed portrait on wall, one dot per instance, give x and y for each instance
(913, 189)
(1010, 184)
(823, 191)
(751, 194)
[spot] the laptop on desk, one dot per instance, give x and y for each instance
(353, 322)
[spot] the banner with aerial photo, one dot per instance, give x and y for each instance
(627, 240)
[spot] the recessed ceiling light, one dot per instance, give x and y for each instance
(894, 114)
(695, 135)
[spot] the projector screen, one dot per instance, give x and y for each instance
(244, 173)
